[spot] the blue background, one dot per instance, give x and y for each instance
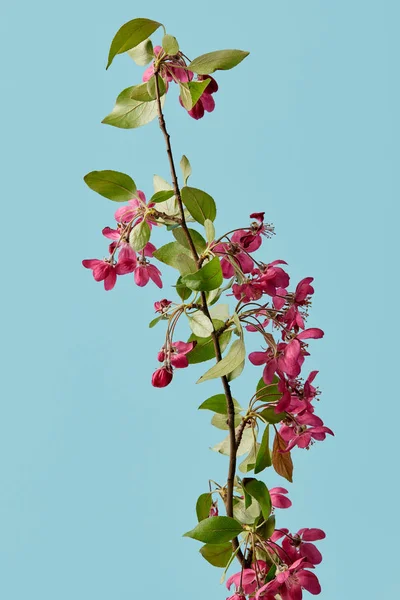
(99, 471)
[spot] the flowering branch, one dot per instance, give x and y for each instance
(282, 405)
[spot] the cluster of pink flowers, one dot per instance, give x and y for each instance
(174, 70)
(128, 261)
(287, 571)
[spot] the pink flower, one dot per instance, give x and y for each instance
(162, 377)
(278, 498)
(290, 582)
(214, 509)
(135, 209)
(300, 435)
(232, 252)
(174, 356)
(298, 545)
(144, 272)
(251, 239)
(162, 306)
(248, 578)
(107, 271)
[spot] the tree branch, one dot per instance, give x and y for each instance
(227, 390)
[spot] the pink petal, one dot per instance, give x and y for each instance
(155, 275)
(312, 534)
(258, 358)
(311, 553)
(179, 361)
(312, 332)
(184, 347)
(111, 234)
(110, 280)
(141, 276)
(309, 581)
(208, 102)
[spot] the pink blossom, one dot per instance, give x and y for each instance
(300, 435)
(135, 209)
(298, 545)
(162, 306)
(264, 324)
(246, 579)
(232, 252)
(278, 497)
(107, 271)
(144, 272)
(162, 377)
(290, 582)
(176, 354)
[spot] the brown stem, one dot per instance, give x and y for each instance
(228, 394)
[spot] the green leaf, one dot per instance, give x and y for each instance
(268, 393)
(259, 491)
(220, 312)
(185, 168)
(200, 324)
(215, 530)
(198, 240)
(209, 277)
(155, 321)
(113, 185)
(129, 114)
(245, 515)
(221, 421)
(139, 236)
(203, 506)
(162, 196)
(200, 204)
(236, 372)
(169, 207)
(170, 44)
(249, 462)
(143, 53)
(267, 528)
(217, 555)
(264, 459)
(204, 349)
(217, 404)
(222, 60)
(269, 414)
(244, 446)
(176, 256)
(130, 35)
(160, 184)
(191, 92)
(229, 363)
(151, 87)
(184, 293)
(210, 230)
(140, 93)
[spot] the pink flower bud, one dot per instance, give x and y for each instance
(161, 377)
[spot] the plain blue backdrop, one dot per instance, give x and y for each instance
(99, 471)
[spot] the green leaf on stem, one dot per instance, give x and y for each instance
(161, 196)
(170, 206)
(217, 404)
(222, 60)
(143, 53)
(220, 312)
(140, 93)
(217, 555)
(244, 446)
(229, 363)
(244, 515)
(170, 44)
(129, 114)
(185, 168)
(210, 230)
(282, 461)
(204, 349)
(176, 256)
(191, 92)
(267, 528)
(203, 506)
(113, 185)
(249, 462)
(151, 87)
(200, 324)
(259, 491)
(209, 277)
(199, 242)
(263, 459)
(184, 293)
(130, 35)
(139, 236)
(200, 204)
(155, 321)
(221, 421)
(269, 414)
(215, 530)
